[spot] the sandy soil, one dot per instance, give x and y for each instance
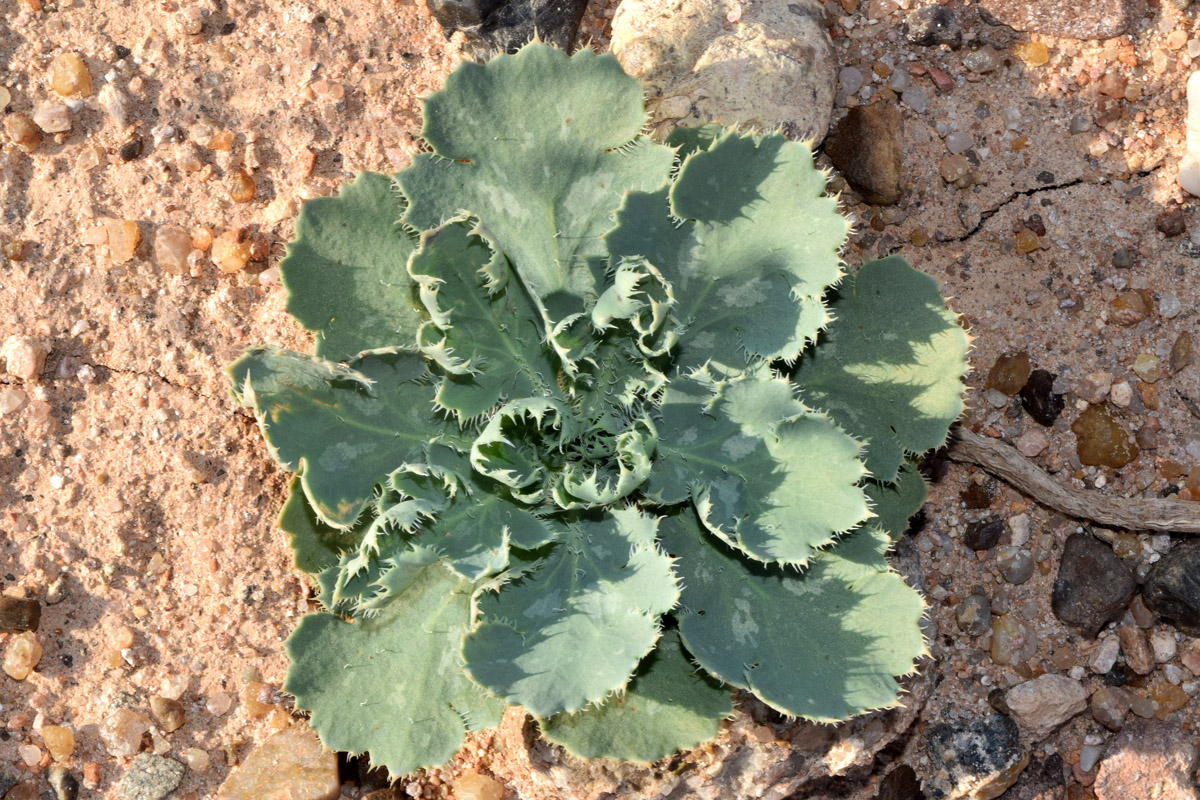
(131, 484)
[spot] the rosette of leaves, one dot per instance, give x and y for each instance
(595, 426)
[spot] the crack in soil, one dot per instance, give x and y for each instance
(158, 376)
(987, 214)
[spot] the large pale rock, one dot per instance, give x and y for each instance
(24, 357)
(291, 765)
(1042, 704)
(1149, 759)
(765, 65)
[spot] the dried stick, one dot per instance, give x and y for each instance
(1001, 460)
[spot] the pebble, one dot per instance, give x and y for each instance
(1181, 353)
(1020, 526)
(230, 252)
(1094, 387)
(122, 730)
(1105, 655)
(196, 759)
(131, 149)
(219, 703)
(1129, 308)
(1148, 758)
(5, 98)
(59, 741)
(1034, 54)
(474, 786)
(866, 148)
(1171, 223)
(1109, 705)
(974, 614)
(774, 69)
(850, 80)
(1136, 649)
(150, 777)
(1171, 589)
(1009, 373)
(1039, 399)
(23, 132)
(11, 399)
(1013, 641)
(1031, 443)
(915, 98)
(69, 76)
(169, 713)
(242, 188)
(983, 60)
(1148, 367)
(171, 247)
(22, 655)
(123, 239)
(18, 614)
(1102, 442)
(1093, 585)
(958, 142)
(292, 763)
(980, 758)
(932, 25)
(1015, 564)
(1121, 394)
(116, 104)
(52, 117)
(64, 784)
(22, 791)
(1190, 657)
(24, 357)
(1046, 702)
(954, 169)
(1080, 124)
(984, 534)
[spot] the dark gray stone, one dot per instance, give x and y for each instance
(1172, 589)
(1038, 398)
(974, 614)
(932, 25)
(981, 758)
(984, 534)
(1093, 585)
(506, 25)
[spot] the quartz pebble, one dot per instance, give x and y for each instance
(116, 104)
(1009, 373)
(23, 132)
(292, 763)
(22, 655)
(11, 399)
(1129, 308)
(1102, 441)
(985, 59)
(242, 188)
(59, 741)
(196, 759)
(1109, 705)
(219, 703)
(230, 252)
(958, 143)
(1031, 443)
(850, 80)
(1013, 641)
(1104, 657)
(123, 239)
(915, 98)
(474, 786)
(122, 730)
(52, 117)
(168, 712)
(1015, 564)
(69, 76)
(24, 357)
(171, 247)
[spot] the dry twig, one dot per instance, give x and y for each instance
(1003, 461)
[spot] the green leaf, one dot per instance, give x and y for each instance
(344, 272)
(756, 252)
(342, 427)
(825, 645)
(540, 147)
(484, 329)
(668, 706)
(574, 630)
(894, 503)
(315, 545)
(889, 369)
(511, 446)
(766, 475)
(393, 684)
